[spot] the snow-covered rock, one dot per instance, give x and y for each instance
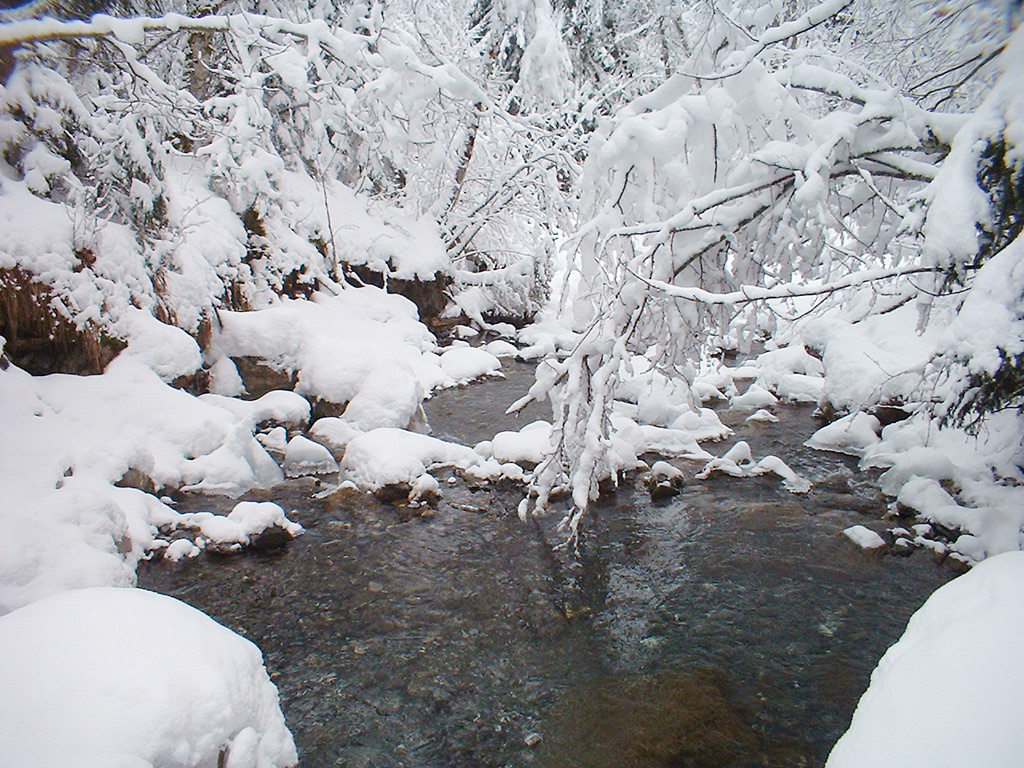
(247, 524)
(305, 457)
(864, 537)
(852, 434)
(387, 456)
(754, 398)
(739, 461)
(529, 444)
(463, 364)
(956, 676)
(107, 677)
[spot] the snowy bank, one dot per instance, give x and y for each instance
(107, 677)
(955, 679)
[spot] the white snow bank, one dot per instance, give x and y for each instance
(987, 529)
(280, 406)
(107, 677)
(67, 439)
(334, 343)
(168, 350)
(876, 360)
(957, 672)
(390, 456)
(792, 373)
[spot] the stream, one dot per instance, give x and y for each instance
(730, 626)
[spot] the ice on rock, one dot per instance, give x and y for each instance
(110, 676)
(305, 457)
(959, 665)
(763, 416)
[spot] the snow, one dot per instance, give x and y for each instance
(864, 537)
(389, 456)
(245, 521)
(958, 666)
(739, 461)
(67, 439)
(123, 677)
(501, 348)
(302, 456)
(756, 397)
(334, 343)
(463, 364)
(852, 434)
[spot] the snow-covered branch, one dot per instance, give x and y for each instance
(813, 17)
(749, 293)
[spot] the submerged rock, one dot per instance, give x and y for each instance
(663, 481)
(669, 719)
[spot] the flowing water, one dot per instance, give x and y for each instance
(730, 626)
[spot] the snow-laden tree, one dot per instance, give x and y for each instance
(776, 162)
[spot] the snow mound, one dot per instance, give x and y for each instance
(957, 667)
(876, 360)
(501, 348)
(247, 520)
(389, 456)
(305, 457)
(335, 343)
(755, 398)
(864, 537)
(852, 434)
(123, 677)
(463, 364)
(529, 444)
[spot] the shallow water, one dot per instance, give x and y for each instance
(730, 626)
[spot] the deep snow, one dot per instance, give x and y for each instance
(112, 677)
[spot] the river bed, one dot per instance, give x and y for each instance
(730, 626)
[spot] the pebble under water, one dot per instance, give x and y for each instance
(730, 626)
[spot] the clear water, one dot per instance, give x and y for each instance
(730, 626)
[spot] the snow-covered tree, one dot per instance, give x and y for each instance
(777, 162)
